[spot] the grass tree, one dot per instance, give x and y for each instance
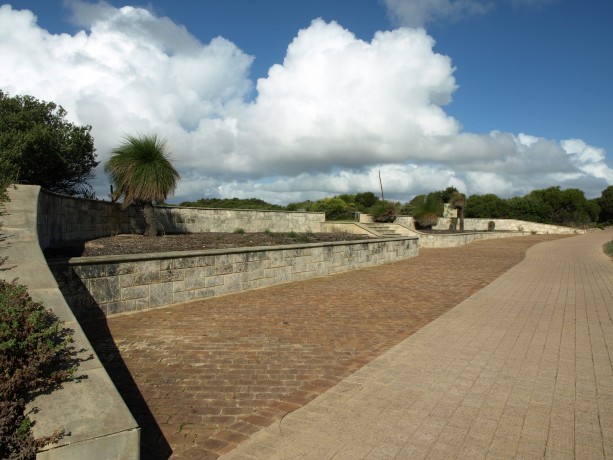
(141, 170)
(458, 201)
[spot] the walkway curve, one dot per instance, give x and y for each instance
(522, 368)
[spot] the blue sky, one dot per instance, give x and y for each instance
(522, 102)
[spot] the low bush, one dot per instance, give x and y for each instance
(384, 211)
(426, 220)
(35, 356)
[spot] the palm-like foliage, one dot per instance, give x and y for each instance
(458, 201)
(141, 170)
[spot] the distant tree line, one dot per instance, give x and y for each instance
(232, 203)
(550, 206)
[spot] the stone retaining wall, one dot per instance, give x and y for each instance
(507, 225)
(97, 422)
(95, 286)
(63, 218)
(459, 239)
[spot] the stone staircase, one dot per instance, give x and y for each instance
(385, 230)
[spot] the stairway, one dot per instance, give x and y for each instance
(385, 230)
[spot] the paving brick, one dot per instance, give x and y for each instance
(498, 371)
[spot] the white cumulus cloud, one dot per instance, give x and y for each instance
(324, 121)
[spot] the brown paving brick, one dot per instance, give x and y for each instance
(197, 373)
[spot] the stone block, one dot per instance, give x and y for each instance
(212, 281)
(161, 294)
(135, 292)
(187, 262)
(195, 278)
(148, 272)
(171, 275)
(105, 290)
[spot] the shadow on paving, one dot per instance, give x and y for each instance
(153, 442)
(202, 377)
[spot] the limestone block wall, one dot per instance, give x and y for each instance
(96, 286)
(514, 225)
(458, 239)
(509, 225)
(63, 218)
(196, 220)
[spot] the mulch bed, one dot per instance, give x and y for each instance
(138, 244)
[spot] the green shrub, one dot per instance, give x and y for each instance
(491, 225)
(384, 211)
(334, 208)
(239, 231)
(35, 356)
(426, 209)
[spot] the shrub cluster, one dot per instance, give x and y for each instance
(35, 356)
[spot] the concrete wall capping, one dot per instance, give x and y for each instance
(99, 424)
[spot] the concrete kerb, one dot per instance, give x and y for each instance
(97, 423)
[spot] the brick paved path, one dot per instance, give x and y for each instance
(522, 369)
(202, 377)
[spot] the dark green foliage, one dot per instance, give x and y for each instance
(38, 146)
(384, 211)
(550, 206)
(300, 206)
(448, 193)
(605, 202)
(141, 170)
(426, 209)
(486, 206)
(365, 200)
(347, 198)
(232, 203)
(35, 356)
(334, 208)
(564, 207)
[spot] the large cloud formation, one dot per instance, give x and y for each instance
(336, 112)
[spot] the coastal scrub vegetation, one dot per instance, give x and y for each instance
(552, 205)
(39, 146)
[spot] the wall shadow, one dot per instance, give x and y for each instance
(153, 444)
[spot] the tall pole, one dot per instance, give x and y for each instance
(381, 183)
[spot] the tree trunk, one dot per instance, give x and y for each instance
(151, 223)
(461, 219)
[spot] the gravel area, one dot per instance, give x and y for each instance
(138, 244)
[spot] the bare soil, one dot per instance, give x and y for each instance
(138, 244)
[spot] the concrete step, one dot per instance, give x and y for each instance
(383, 229)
